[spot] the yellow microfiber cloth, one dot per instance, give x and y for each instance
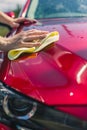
(50, 38)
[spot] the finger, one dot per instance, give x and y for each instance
(18, 20)
(34, 37)
(31, 20)
(14, 25)
(30, 44)
(36, 32)
(26, 20)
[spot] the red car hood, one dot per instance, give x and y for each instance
(58, 74)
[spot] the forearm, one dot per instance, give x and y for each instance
(5, 18)
(3, 43)
(7, 44)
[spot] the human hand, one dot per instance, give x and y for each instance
(16, 22)
(30, 38)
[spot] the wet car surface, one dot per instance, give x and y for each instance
(52, 83)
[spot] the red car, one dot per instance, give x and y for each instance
(48, 90)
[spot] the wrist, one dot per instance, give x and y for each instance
(4, 44)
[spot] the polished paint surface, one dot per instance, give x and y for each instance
(4, 127)
(56, 76)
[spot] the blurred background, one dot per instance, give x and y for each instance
(11, 5)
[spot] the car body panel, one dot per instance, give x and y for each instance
(58, 70)
(24, 10)
(56, 76)
(5, 127)
(11, 14)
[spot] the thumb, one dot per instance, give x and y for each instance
(14, 25)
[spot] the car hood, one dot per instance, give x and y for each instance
(58, 74)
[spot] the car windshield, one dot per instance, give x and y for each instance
(57, 8)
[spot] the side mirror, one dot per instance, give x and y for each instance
(11, 14)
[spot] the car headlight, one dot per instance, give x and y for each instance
(24, 113)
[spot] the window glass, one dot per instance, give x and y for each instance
(57, 8)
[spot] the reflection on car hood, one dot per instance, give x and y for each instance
(73, 33)
(58, 74)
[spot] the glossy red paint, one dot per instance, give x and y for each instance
(58, 72)
(57, 76)
(11, 14)
(4, 127)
